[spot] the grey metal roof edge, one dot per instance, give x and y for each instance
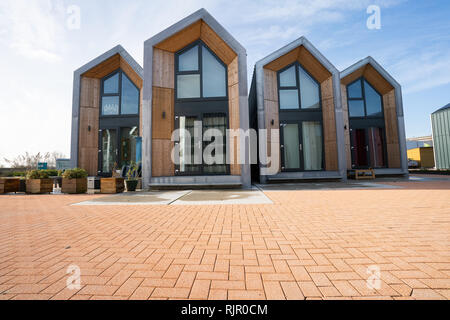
(369, 60)
(442, 108)
(201, 14)
(302, 41)
(108, 54)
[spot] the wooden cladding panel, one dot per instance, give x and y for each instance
(234, 115)
(134, 77)
(181, 39)
(163, 69)
(372, 76)
(347, 125)
(329, 125)
(103, 69)
(283, 61)
(312, 65)
(270, 85)
(162, 102)
(162, 165)
(391, 122)
(306, 59)
(199, 30)
(216, 44)
(89, 118)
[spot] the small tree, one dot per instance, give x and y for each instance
(30, 161)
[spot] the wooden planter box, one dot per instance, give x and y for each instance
(112, 185)
(9, 185)
(39, 186)
(74, 186)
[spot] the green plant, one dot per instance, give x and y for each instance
(76, 173)
(132, 173)
(37, 174)
(53, 172)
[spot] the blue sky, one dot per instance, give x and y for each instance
(38, 52)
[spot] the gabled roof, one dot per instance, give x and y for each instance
(442, 109)
(302, 41)
(204, 15)
(371, 61)
(107, 55)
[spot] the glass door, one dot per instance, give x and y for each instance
(359, 148)
(128, 146)
(290, 147)
(192, 145)
(109, 151)
(368, 147)
(302, 146)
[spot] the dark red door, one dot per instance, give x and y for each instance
(359, 146)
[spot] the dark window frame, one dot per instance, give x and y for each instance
(115, 122)
(290, 116)
(119, 94)
(363, 98)
(200, 45)
(366, 122)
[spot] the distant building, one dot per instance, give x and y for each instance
(419, 142)
(424, 156)
(440, 121)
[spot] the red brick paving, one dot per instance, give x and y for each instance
(307, 245)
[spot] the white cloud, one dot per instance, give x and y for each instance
(33, 28)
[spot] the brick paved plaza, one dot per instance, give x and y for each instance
(308, 244)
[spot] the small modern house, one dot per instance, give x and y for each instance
(106, 112)
(440, 121)
(373, 119)
(297, 90)
(195, 78)
(313, 122)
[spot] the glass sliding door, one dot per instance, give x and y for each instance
(128, 145)
(193, 158)
(302, 146)
(312, 145)
(360, 158)
(187, 146)
(216, 124)
(291, 146)
(109, 149)
(376, 147)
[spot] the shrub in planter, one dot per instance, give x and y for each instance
(38, 182)
(132, 177)
(74, 181)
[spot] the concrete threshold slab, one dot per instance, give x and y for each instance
(184, 197)
(223, 197)
(137, 199)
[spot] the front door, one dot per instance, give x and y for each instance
(367, 147)
(117, 148)
(193, 148)
(301, 146)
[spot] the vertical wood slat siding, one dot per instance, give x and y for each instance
(329, 126)
(164, 78)
(348, 151)
(392, 139)
(89, 116)
(271, 107)
(162, 165)
(163, 99)
(233, 111)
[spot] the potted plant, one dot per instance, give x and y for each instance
(9, 185)
(74, 181)
(112, 185)
(132, 177)
(38, 182)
